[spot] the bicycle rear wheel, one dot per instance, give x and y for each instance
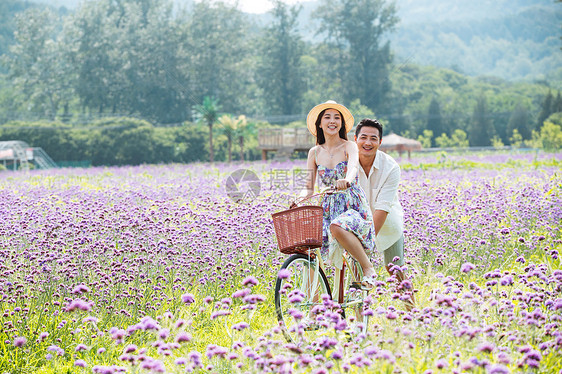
(297, 292)
(353, 300)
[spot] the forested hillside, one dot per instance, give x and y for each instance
(515, 41)
(494, 78)
(511, 39)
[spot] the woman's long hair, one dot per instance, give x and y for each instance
(320, 139)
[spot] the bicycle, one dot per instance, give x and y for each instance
(303, 296)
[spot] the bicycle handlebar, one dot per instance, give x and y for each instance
(325, 191)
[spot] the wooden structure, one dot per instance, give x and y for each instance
(393, 142)
(284, 141)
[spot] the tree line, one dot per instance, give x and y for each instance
(149, 60)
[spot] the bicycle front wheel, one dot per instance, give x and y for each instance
(298, 289)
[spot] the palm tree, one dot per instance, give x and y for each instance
(208, 113)
(234, 129)
(245, 130)
(228, 128)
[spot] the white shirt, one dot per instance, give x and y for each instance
(381, 188)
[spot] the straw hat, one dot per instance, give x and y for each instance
(330, 104)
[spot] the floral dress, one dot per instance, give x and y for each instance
(348, 209)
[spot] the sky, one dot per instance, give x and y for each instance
(258, 6)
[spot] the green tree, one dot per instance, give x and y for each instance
(37, 64)
(154, 85)
(215, 51)
(443, 141)
(8, 9)
(208, 113)
(458, 139)
(126, 54)
(281, 74)
(434, 118)
(235, 129)
(247, 130)
(516, 140)
(497, 142)
(480, 132)
(100, 56)
(358, 28)
(360, 111)
(228, 127)
(190, 144)
(549, 137)
(546, 109)
(426, 138)
(519, 121)
(557, 104)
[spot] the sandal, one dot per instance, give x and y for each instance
(368, 282)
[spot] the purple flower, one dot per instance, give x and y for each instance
(240, 326)
(497, 369)
(187, 298)
(506, 280)
(486, 347)
(195, 357)
(180, 361)
(90, 319)
(386, 355)
(163, 334)
(391, 315)
(371, 350)
(295, 313)
(531, 358)
(80, 363)
(80, 289)
(441, 364)
(284, 273)
(20, 341)
(148, 323)
(54, 348)
(130, 348)
(327, 342)
(183, 337)
(250, 281)
(296, 296)
(467, 267)
(215, 350)
(241, 293)
(80, 347)
(337, 354)
(79, 304)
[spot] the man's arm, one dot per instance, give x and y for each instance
(379, 216)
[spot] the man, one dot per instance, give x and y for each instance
(379, 176)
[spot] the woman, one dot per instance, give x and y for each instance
(348, 222)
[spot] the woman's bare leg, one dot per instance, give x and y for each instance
(354, 247)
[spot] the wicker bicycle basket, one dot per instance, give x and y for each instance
(298, 229)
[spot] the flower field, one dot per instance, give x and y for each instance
(156, 269)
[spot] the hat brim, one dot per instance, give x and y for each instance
(315, 112)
